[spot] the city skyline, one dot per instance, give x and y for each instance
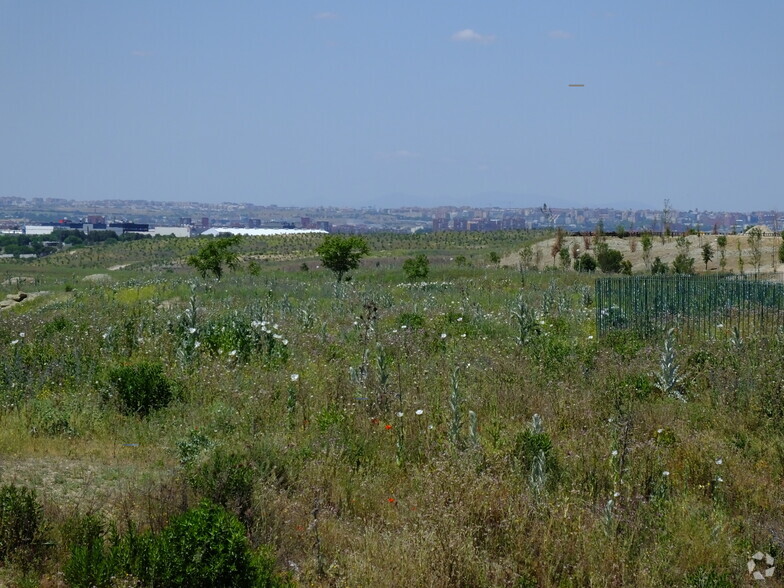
(352, 104)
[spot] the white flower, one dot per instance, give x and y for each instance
(285, 341)
(719, 461)
(21, 335)
(419, 412)
(233, 352)
(275, 326)
(443, 335)
(192, 330)
(400, 414)
(294, 377)
(15, 341)
(105, 335)
(616, 494)
(255, 324)
(719, 479)
(463, 335)
(660, 431)
(403, 326)
(197, 345)
(665, 473)
(590, 337)
(278, 336)
(614, 452)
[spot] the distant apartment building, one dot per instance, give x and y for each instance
(440, 224)
(304, 222)
(186, 221)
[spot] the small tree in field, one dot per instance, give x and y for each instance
(707, 254)
(721, 241)
(417, 268)
(341, 254)
(213, 255)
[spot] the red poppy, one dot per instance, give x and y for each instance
(388, 427)
(390, 500)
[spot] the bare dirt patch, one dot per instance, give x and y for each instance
(631, 248)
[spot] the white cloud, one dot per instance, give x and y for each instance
(399, 154)
(559, 34)
(471, 36)
(325, 16)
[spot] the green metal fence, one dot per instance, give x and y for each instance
(703, 304)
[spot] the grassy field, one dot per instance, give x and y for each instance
(468, 430)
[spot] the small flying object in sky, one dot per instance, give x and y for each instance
(576, 85)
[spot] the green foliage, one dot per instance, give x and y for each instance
(203, 547)
(21, 522)
(707, 254)
(225, 478)
(141, 388)
(659, 267)
(585, 263)
(609, 260)
(682, 264)
(214, 254)
(341, 254)
(417, 268)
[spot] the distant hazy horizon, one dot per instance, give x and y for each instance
(353, 104)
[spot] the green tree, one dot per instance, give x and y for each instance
(563, 255)
(494, 258)
(609, 260)
(647, 245)
(341, 254)
(721, 241)
(214, 254)
(781, 249)
(585, 263)
(658, 266)
(416, 268)
(707, 254)
(755, 240)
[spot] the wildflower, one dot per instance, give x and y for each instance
(232, 353)
(590, 337)
(387, 427)
(285, 341)
(399, 414)
(15, 341)
(419, 412)
(616, 494)
(390, 500)
(665, 473)
(197, 345)
(403, 327)
(460, 319)
(443, 335)
(660, 431)
(719, 461)
(374, 420)
(463, 335)
(719, 479)
(192, 330)
(614, 452)
(294, 377)
(255, 324)
(21, 335)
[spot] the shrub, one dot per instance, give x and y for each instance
(21, 521)
(141, 388)
(416, 268)
(204, 547)
(225, 478)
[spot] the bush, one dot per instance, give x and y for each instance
(416, 268)
(205, 546)
(225, 478)
(141, 388)
(21, 522)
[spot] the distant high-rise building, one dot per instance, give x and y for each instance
(95, 219)
(304, 222)
(186, 220)
(205, 222)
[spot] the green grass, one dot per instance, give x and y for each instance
(343, 489)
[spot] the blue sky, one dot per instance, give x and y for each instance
(370, 103)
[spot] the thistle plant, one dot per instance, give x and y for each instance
(524, 317)
(456, 410)
(538, 474)
(669, 378)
